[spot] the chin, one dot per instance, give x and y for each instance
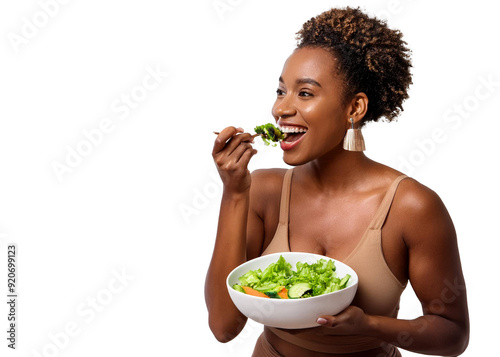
(292, 160)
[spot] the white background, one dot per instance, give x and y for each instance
(144, 201)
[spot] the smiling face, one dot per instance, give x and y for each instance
(310, 103)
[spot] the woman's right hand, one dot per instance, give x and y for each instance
(232, 153)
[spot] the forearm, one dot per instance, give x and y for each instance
(428, 334)
(230, 251)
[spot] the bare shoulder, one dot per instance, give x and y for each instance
(268, 177)
(416, 198)
(421, 213)
(266, 187)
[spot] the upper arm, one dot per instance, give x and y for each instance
(265, 193)
(434, 270)
(255, 224)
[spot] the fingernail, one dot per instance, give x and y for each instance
(321, 321)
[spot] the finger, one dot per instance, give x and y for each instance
(241, 167)
(223, 137)
(234, 152)
(228, 143)
(232, 162)
(329, 321)
(247, 155)
(236, 141)
(229, 161)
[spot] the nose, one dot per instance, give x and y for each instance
(283, 108)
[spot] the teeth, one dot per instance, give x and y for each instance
(292, 129)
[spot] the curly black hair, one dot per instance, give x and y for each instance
(371, 57)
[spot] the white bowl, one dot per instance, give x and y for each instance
(291, 313)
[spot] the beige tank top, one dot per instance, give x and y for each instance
(378, 291)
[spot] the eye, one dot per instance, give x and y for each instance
(280, 92)
(305, 94)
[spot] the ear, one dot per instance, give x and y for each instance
(358, 107)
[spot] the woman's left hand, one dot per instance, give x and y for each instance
(351, 321)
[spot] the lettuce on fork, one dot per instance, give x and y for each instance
(269, 133)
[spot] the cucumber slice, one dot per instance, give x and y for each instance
(298, 289)
(272, 294)
(343, 282)
(238, 287)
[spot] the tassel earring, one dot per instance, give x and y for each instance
(353, 140)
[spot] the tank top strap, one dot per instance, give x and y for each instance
(285, 198)
(383, 210)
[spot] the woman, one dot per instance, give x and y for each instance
(347, 70)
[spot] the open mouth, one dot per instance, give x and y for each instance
(292, 135)
(290, 138)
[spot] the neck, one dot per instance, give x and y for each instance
(338, 171)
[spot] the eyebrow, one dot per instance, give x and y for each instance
(303, 81)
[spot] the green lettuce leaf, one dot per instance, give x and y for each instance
(321, 275)
(269, 133)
